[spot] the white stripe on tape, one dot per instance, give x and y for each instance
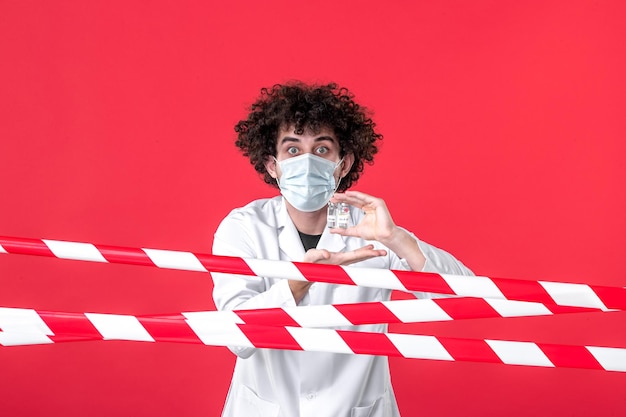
(20, 326)
(473, 286)
(317, 316)
(375, 278)
(119, 327)
(419, 346)
(321, 340)
(2, 250)
(411, 311)
(566, 294)
(174, 260)
(519, 353)
(213, 316)
(274, 269)
(511, 308)
(611, 359)
(214, 331)
(74, 250)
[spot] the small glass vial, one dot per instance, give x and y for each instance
(332, 215)
(343, 215)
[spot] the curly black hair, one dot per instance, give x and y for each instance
(307, 108)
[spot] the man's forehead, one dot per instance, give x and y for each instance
(307, 130)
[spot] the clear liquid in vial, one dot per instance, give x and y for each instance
(343, 215)
(332, 215)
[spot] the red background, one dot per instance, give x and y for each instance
(503, 126)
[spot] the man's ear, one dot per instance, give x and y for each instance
(348, 160)
(271, 166)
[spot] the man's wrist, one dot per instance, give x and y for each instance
(404, 245)
(299, 289)
(396, 238)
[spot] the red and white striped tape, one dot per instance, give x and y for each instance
(395, 311)
(27, 327)
(278, 328)
(544, 292)
(337, 315)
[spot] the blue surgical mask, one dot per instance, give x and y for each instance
(307, 181)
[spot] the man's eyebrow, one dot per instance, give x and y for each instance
(318, 139)
(289, 139)
(323, 138)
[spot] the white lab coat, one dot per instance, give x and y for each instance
(277, 383)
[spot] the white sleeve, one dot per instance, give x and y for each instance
(232, 291)
(438, 261)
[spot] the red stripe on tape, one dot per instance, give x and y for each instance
(370, 313)
(172, 329)
(559, 309)
(269, 337)
(224, 264)
(333, 274)
(68, 327)
(467, 308)
(570, 356)
(117, 254)
(25, 246)
(369, 343)
(612, 297)
(267, 316)
(469, 350)
(424, 282)
(523, 290)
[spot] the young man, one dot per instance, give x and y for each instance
(311, 142)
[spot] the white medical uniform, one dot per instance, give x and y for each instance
(281, 383)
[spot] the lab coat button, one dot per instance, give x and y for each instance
(310, 396)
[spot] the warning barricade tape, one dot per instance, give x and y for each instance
(544, 292)
(336, 315)
(276, 328)
(28, 327)
(389, 312)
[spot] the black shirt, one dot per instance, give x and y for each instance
(309, 241)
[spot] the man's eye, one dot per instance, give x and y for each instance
(292, 150)
(322, 150)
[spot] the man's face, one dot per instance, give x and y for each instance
(323, 144)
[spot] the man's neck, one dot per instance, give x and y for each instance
(311, 223)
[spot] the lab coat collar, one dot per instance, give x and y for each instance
(289, 240)
(331, 242)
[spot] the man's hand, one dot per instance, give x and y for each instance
(378, 225)
(322, 256)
